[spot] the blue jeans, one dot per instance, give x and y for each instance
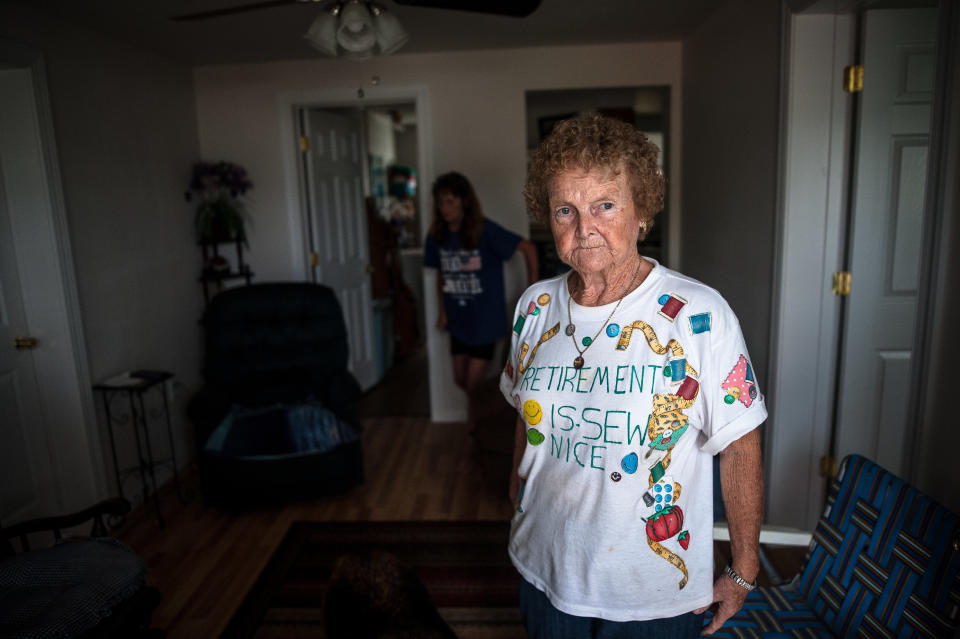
(543, 621)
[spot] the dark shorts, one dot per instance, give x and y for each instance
(483, 351)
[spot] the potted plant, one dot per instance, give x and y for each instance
(221, 213)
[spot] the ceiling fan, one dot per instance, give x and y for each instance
(513, 8)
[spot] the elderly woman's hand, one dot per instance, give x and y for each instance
(741, 477)
(728, 598)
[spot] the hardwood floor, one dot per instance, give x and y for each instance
(403, 392)
(205, 560)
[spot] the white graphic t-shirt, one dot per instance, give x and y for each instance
(615, 515)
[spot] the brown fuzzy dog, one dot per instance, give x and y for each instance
(371, 596)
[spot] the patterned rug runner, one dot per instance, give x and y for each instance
(463, 566)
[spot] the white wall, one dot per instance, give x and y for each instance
(125, 128)
(477, 126)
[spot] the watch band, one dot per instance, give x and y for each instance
(737, 579)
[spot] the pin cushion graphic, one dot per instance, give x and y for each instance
(532, 412)
(740, 384)
(533, 309)
(665, 523)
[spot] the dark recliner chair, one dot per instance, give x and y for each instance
(276, 418)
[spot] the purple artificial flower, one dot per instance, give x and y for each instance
(218, 179)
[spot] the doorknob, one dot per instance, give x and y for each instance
(24, 343)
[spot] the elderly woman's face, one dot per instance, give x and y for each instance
(594, 220)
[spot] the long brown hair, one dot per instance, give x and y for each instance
(472, 224)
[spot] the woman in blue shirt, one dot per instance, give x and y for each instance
(469, 251)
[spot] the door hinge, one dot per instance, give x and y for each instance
(24, 343)
(841, 283)
(828, 467)
(853, 78)
(314, 259)
(304, 143)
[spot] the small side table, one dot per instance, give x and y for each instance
(134, 386)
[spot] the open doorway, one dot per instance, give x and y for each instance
(361, 215)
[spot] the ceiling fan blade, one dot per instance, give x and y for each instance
(515, 8)
(243, 8)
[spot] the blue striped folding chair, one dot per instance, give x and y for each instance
(884, 562)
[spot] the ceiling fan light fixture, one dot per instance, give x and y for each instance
(322, 34)
(390, 34)
(355, 32)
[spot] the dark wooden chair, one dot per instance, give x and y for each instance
(91, 587)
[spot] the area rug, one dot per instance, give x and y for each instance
(463, 565)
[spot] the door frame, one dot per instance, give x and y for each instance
(66, 396)
(811, 229)
(815, 151)
(293, 177)
(942, 190)
(289, 103)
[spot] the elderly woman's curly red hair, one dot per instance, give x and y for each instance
(594, 142)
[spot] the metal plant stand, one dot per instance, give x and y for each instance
(134, 386)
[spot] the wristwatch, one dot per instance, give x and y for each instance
(737, 579)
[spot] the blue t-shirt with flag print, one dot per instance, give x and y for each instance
(473, 291)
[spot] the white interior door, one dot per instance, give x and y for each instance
(28, 487)
(337, 225)
(886, 230)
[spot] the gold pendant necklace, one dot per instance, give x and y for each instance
(571, 328)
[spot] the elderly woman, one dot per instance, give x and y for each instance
(629, 377)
